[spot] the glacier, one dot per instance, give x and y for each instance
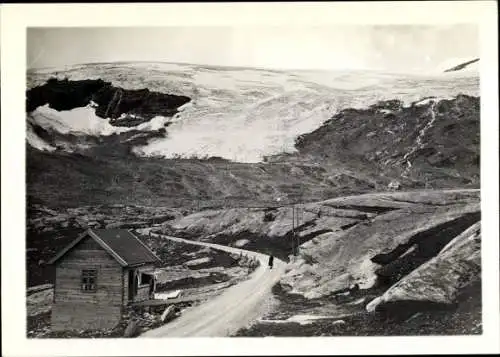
(240, 114)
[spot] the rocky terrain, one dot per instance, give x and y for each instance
(191, 268)
(393, 254)
(50, 230)
(384, 174)
(462, 319)
(431, 142)
(39, 325)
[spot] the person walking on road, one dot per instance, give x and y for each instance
(271, 258)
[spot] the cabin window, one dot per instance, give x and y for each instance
(89, 280)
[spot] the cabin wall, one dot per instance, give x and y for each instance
(77, 309)
(143, 290)
(142, 293)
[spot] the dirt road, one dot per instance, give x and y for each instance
(233, 309)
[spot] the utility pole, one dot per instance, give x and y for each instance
(293, 229)
(294, 220)
(297, 224)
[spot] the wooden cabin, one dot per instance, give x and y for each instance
(97, 275)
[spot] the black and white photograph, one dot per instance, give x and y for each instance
(249, 181)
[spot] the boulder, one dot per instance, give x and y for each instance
(338, 322)
(394, 185)
(132, 329)
(440, 280)
(241, 242)
(199, 261)
(168, 314)
(372, 305)
(358, 301)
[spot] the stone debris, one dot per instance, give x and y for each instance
(134, 322)
(168, 295)
(132, 329)
(38, 288)
(168, 314)
(372, 305)
(200, 261)
(394, 185)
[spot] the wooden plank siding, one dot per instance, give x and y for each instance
(142, 293)
(78, 309)
(125, 286)
(70, 316)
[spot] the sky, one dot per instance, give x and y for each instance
(405, 48)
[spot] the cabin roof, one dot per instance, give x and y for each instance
(121, 244)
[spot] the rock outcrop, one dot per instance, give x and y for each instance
(423, 144)
(380, 250)
(438, 281)
(64, 94)
(372, 240)
(124, 107)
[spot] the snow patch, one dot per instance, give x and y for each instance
(170, 295)
(366, 277)
(419, 142)
(338, 322)
(372, 305)
(425, 102)
(358, 301)
(81, 121)
(198, 261)
(84, 121)
(37, 142)
(300, 319)
(241, 242)
(307, 319)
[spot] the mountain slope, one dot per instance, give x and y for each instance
(433, 142)
(461, 66)
(428, 144)
(243, 136)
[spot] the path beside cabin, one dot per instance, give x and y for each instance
(230, 311)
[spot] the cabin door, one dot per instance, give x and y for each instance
(133, 284)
